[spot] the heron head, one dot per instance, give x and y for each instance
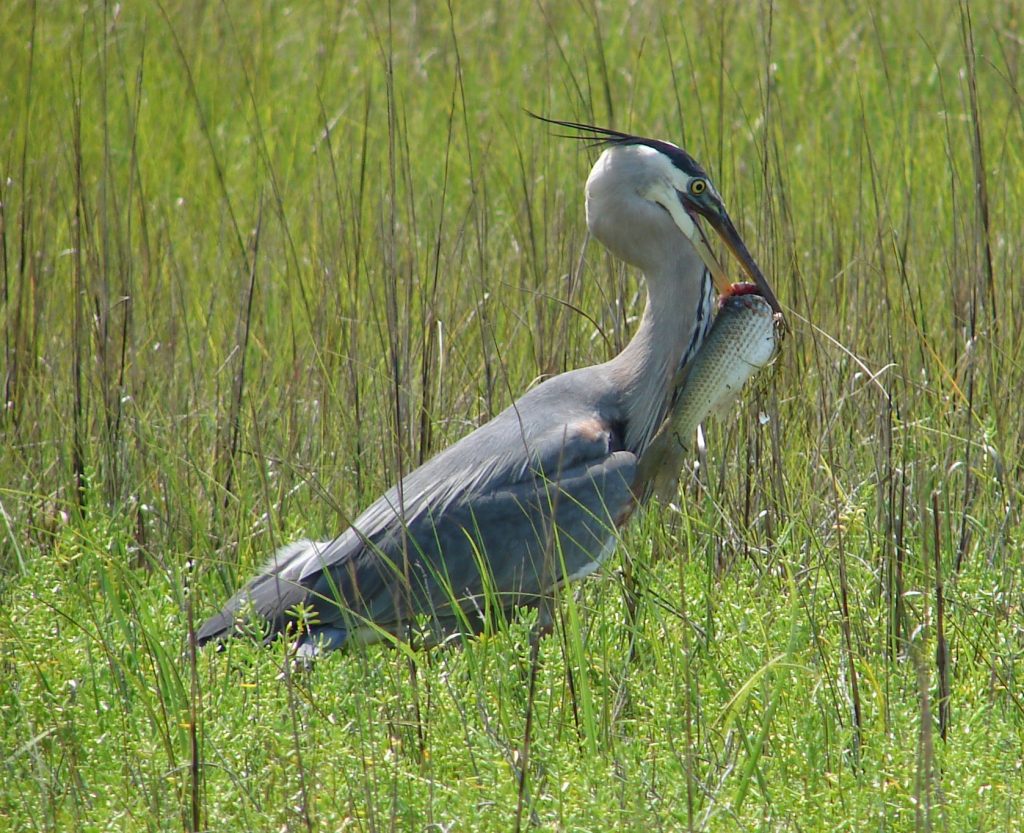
(666, 178)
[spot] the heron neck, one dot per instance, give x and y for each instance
(672, 328)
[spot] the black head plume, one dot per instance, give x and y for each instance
(600, 137)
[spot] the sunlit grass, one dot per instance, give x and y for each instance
(257, 260)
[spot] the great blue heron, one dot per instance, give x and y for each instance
(533, 498)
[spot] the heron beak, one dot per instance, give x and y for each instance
(718, 275)
(721, 223)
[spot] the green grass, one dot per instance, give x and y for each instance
(257, 259)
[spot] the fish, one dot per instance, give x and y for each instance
(744, 338)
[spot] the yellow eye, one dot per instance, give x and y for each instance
(698, 187)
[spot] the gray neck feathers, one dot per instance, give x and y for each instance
(674, 323)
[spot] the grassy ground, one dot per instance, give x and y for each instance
(257, 258)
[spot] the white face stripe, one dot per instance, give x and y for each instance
(664, 195)
(662, 187)
(674, 177)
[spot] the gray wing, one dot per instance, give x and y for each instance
(499, 518)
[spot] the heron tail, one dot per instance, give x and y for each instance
(266, 599)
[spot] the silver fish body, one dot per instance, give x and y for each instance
(742, 340)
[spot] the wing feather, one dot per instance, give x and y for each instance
(506, 513)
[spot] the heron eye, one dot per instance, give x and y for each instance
(698, 187)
